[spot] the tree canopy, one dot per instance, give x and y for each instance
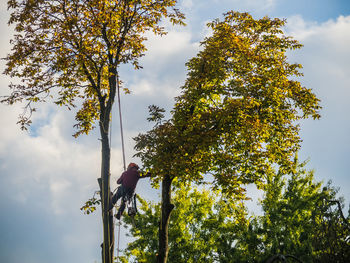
(239, 108)
(201, 219)
(300, 218)
(70, 50)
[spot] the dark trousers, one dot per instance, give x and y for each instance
(123, 193)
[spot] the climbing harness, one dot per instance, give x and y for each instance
(132, 208)
(130, 204)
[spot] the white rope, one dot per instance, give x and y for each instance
(123, 151)
(121, 123)
(118, 240)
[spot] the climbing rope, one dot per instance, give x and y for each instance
(121, 123)
(118, 241)
(123, 151)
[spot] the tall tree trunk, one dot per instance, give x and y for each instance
(104, 181)
(107, 215)
(167, 207)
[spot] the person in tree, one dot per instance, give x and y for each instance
(128, 181)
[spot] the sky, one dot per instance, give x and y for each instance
(46, 174)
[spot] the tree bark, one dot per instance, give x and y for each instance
(104, 181)
(167, 207)
(107, 215)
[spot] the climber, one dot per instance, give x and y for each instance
(128, 181)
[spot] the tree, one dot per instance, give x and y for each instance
(202, 227)
(237, 115)
(298, 222)
(290, 208)
(331, 236)
(69, 51)
(300, 219)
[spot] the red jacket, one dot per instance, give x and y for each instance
(129, 178)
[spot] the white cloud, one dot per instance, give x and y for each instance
(51, 159)
(174, 43)
(334, 32)
(262, 4)
(171, 43)
(325, 57)
(164, 65)
(59, 189)
(142, 87)
(187, 4)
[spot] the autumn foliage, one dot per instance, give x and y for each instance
(237, 117)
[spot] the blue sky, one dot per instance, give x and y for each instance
(46, 174)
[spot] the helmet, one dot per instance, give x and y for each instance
(132, 165)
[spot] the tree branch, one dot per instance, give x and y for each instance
(346, 222)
